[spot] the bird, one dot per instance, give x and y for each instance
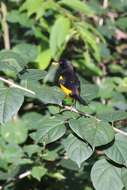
(69, 82)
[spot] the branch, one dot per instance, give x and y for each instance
(21, 176)
(120, 131)
(5, 26)
(17, 86)
(79, 112)
(90, 116)
(65, 107)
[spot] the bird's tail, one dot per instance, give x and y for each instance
(80, 99)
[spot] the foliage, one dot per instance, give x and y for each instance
(44, 144)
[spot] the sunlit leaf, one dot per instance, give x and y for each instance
(90, 39)
(124, 177)
(88, 63)
(14, 132)
(28, 51)
(32, 74)
(32, 6)
(50, 155)
(113, 116)
(11, 153)
(106, 176)
(38, 172)
(118, 151)
(51, 129)
(43, 59)
(106, 88)
(69, 164)
(89, 92)
(77, 150)
(92, 131)
(47, 94)
(12, 61)
(58, 39)
(79, 6)
(11, 100)
(32, 149)
(15, 16)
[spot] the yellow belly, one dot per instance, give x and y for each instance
(66, 90)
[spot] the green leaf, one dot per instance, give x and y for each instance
(118, 151)
(46, 5)
(88, 188)
(11, 100)
(32, 149)
(98, 107)
(47, 94)
(32, 74)
(57, 175)
(32, 120)
(69, 164)
(79, 6)
(119, 5)
(105, 51)
(29, 52)
(92, 131)
(89, 92)
(50, 155)
(113, 116)
(88, 62)
(24, 161)
(59, 39)
(32, 6)
(53, 109)
(10, 173)
(119, 101)
(106, 176)
(51, 95)
(12, 61)
(106, 88)
(11, 153)
(69, 114)
(14, 132)
(50, 130)
(89, 39)
(52, 72)
(77, 150)
(122, 23)
(96, 7)
(15, 16)
(38, 172)
(44, 59)
(124, 177)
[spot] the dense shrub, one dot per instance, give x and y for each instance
(43, 143)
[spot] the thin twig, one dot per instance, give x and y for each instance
(23, 175)
(79, 112)
(65, 107)
(88, 115)
(5, 26)
(12, 84)
(120, 131)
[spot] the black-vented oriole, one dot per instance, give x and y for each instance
(69, 82)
